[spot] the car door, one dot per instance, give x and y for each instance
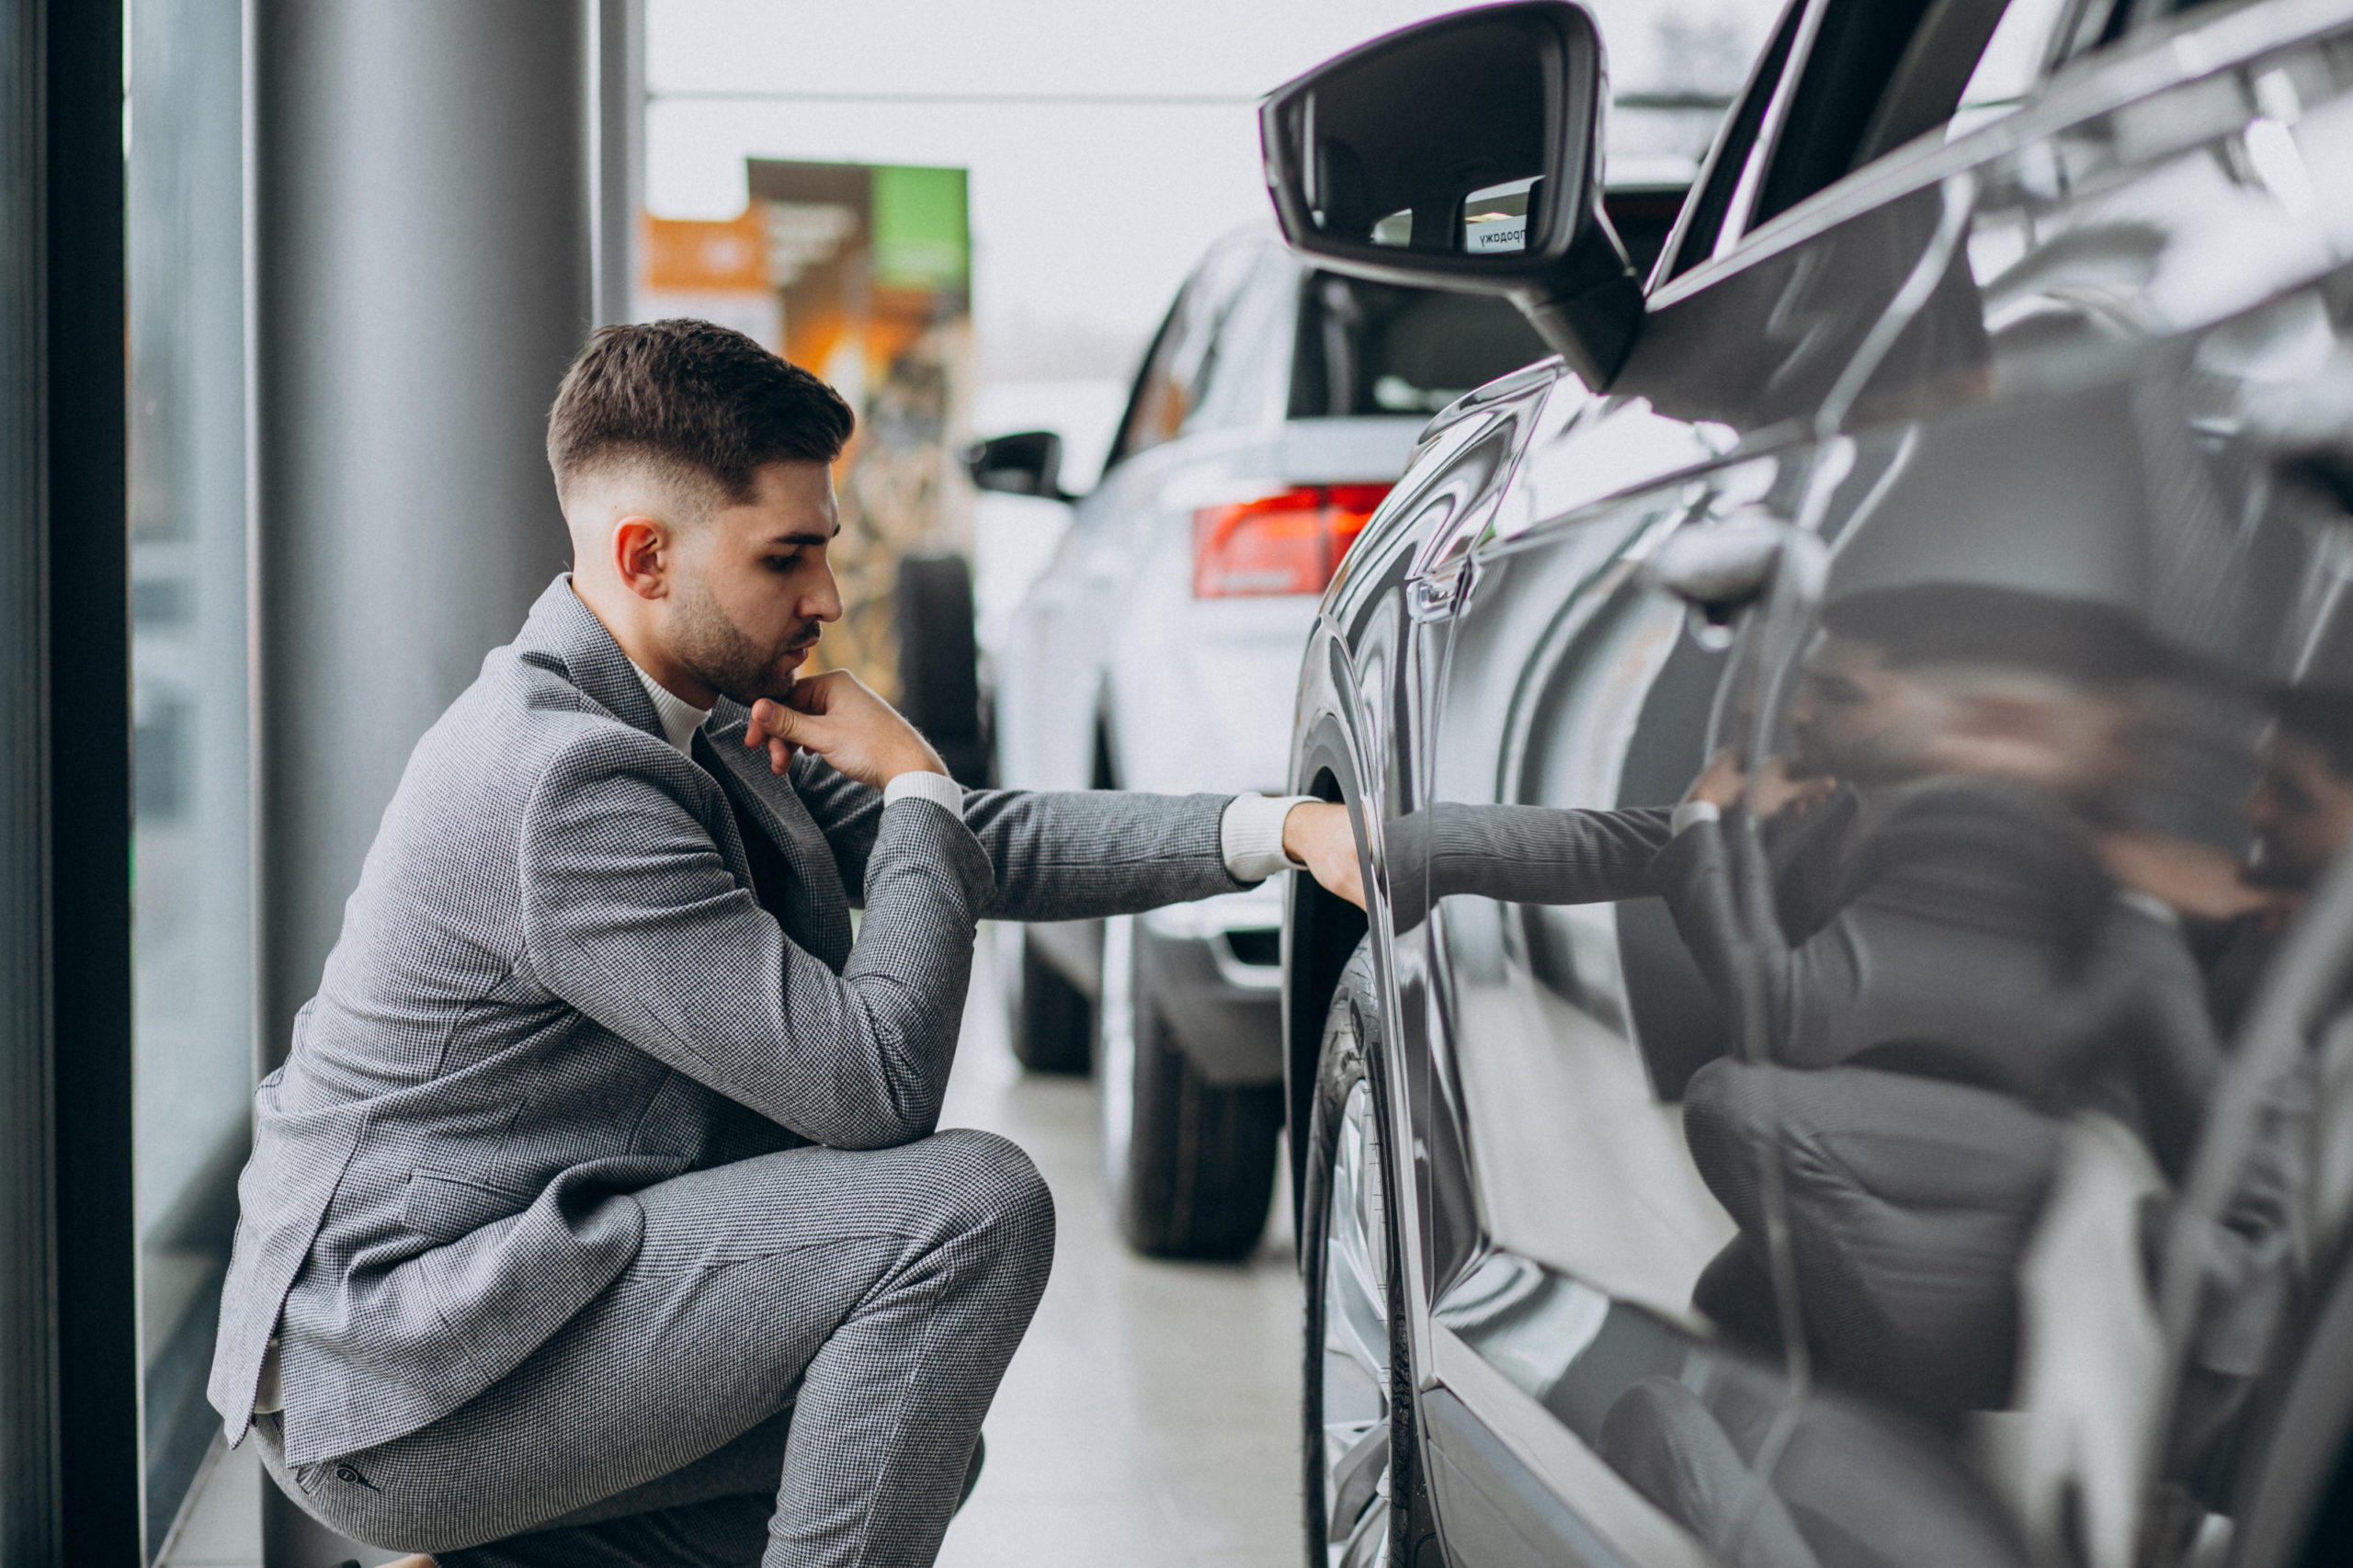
(1568, 1032)
(2152, 268)
(1972, 368)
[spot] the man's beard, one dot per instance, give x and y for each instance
(723, 657)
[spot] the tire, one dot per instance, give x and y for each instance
(940, 684)
(1189, 1166)
(1049, 1021)
(1357, 1383)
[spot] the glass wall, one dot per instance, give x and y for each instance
(191, 873)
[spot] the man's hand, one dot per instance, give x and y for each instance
(1318, 834)
(1724, 784)
(2196, 880)
(839, 717)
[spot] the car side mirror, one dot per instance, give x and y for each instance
(1464, 153)
(1027, 463)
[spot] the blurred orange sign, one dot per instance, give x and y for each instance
(680, 254)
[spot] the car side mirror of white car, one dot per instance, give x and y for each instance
(1464, 153)
(1029, 462)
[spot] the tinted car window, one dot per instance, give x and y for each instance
(1850, 69)
(1882, 72)
(1369, 348)
(2031, 34)
(1738, 142)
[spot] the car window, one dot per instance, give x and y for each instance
(2024, 42)
(1874, 73)
(1371, 349)
(1243, 381)
(1183, 361)
(1734, 146)
(1877, 74)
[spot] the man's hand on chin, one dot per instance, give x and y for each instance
(839, 717)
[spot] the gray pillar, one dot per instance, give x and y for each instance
(421, 255)
(421, 273)
(620, 136)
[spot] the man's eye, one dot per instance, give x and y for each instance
(781, 563)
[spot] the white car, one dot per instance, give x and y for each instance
(1160, 651)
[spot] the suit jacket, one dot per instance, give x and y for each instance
(555, 985)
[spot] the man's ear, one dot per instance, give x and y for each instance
(643, 556)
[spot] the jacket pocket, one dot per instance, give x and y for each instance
(445, 1207)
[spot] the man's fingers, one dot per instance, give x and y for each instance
(784, 731)
(782, 720)
(814, 695)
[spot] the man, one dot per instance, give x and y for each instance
(599, 1215)
(2301, 809)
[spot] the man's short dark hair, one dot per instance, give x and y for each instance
(696, 399)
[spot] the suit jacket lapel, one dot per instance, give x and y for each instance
(820, 903)
(565, 632)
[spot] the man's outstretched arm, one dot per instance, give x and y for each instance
(1072, 854)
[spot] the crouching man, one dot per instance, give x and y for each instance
(598, 1215)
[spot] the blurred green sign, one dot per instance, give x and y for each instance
(921, 237)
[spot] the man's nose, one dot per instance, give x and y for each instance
(826, 603)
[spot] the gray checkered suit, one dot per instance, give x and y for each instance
(585, 1165)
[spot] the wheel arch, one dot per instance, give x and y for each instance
(1320, 932)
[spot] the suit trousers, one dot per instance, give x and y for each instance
(848, 1313)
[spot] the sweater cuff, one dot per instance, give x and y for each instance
(1250, 836)
(937, 788)
(1691, 812)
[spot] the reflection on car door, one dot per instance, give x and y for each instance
(2073, 523)
(1633, 1281)
(1868, 1266)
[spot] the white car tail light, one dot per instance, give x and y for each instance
(1290, 543)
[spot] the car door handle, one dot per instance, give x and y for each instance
(1439, 595)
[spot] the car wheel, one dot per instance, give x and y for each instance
(1189, 1164)
(939, 689)
(1356, 1408)
(1049, 1022)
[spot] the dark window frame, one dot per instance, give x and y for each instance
(70, 1457)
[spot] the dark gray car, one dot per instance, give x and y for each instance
(1847, 1057)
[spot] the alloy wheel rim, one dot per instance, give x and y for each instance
(1356, 1343)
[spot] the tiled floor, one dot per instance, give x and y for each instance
(1150, 1419)
(223, 1529)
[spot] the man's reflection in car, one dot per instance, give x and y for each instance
(1970, 975)
(2303, 810)
(1963, 941)
(2293, 1192)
